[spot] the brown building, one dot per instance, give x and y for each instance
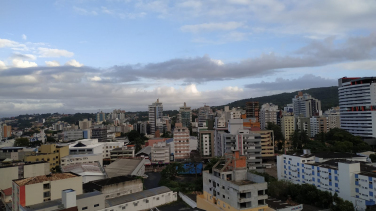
(7, 131)
(252, 110)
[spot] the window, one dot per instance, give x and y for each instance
(46, 186)
(46, 194)
(96, 205)
(84, 208)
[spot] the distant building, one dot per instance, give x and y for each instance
(50, 153)
(206, 143)
(85, 124)
(99, 133)
(204, 113)
(268, 113)
(155, 113)
(123, 152)
(6, 131)
(73, 135)
(160, 153)
(100, 117)
(306, 106)
(34, 190)
(252, 110)
(81, 159)
(181, 142)
(185, 115)
(287, 126)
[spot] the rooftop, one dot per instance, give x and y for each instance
(43, 178)
(242, 182)
(278, 204)
(82, 167)
(81, 155)
(145, 150)
(136, 196)
(97, 184)
(122, 167)
(7, 192)
(326, 155)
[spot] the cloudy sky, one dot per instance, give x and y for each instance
(84, 55)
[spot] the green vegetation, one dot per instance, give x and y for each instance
(327, 95)
(372, 157)
(211, 163)
(166, 134)
(51, 139)
(307, 194)
(137, 139)
(183, 184)
(21, 142)
(278, 135)
(73, 119)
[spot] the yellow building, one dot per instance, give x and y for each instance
(267, 142)
(50, 153)
(288, 128)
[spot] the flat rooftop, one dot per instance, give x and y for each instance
(136, 196)
(278, 204)
(43, 178)
(242, 182)
(98, 184)
(327, 155)
(122, 167)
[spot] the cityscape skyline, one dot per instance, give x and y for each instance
(105, 55)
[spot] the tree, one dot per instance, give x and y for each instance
(166, 134)
(21, 142)
(211, 163)
(56, 169)
(278, 135)
(298, 139)
(172, 170)
(195, 158)
(372, 157)
(35, 143)
(51, 139)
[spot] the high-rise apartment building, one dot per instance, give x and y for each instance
(357, 102)
(99, 133)
(252, 110)
(268, 113)
(100, 117)
(85, 124)
(185, 115)
(206, 143)
(287, 126)
(181, 142)
(306, 106)
(267, 143)
(204, 113)
(155, 113)
(7, 131)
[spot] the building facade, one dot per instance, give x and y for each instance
(99, 133)
(181, 142)
(85, 124)
(155, 113)
(252, 110)
(50, 153)
(185, 115)
(160, 153)
(306, 106)
(206, 143)
(268, 113)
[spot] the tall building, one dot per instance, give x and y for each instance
(206, 143)
(155, 113)
(50, 153)
(268, 113)
(334, 118)
(7, 131)
(288, 127)
(100, 117)
(252, 110)
(305, 105)
(204, 113)
(38, 189)
(357, 102)
(99, 133)
(185, 115)
(85, 124)
(181, 142)
(267, 143)
(231, 187)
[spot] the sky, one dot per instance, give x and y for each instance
(71, 56)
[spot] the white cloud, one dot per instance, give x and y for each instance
(359, 65)
(24, 37)
(49, 52)
(73, 63)
(23, 64)
(2, 65)
(52, 63)
(95, 78)
(226, 26)
(5, 43)
(83, 11)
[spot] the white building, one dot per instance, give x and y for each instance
(268, 113)
(82, 159)
(340, 173)
(155, 113)
(160, 153)
(305, 105)
(357, 102)
(92, 146)
(73, 135)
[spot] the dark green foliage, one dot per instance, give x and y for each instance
(340, 140)
(307, 194)
(137, 139)
(166, 134)
(21, 142)
(51, 139)
(211, 163)
(73, 119)
(372, 157)
(298, 139)
(278, 135)
(327, 95)
(172, 170)
(35, 143)
(185, 185)
(56, 169)
(267, 177)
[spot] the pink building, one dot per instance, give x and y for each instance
(181, 142)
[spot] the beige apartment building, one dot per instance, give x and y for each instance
(35, 190)
(7, 131)
(267, 142)
(181, 142)
(288, 128)
(50, 153)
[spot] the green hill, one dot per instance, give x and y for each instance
(327, 95)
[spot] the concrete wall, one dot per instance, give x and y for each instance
(90, 202)
(36, 170)
(57, 186)
(128, 187)
(7, 175)
(34, 194)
